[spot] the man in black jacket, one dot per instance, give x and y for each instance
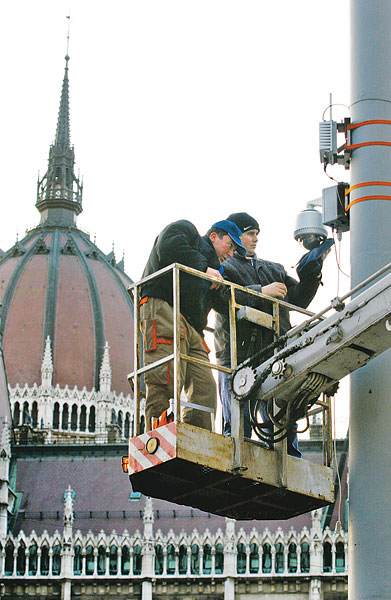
(268, 278)
(181, 243)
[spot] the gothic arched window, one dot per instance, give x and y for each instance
(74, 418)
(305, 558)
(34, 414)
(90, 560)
(207, 560)
(9, 559)
(195, 559)
(327, 557)
(182, 567)
(113, 560)
(83, 418)
(219, 559)
(16, 418)
(91, 419)
(159, 559)
(44, 566)
(21, 560)
(171, 559)
(254, 558)
(127, 426)
(292, 558)
(137, 560)
(65, 417)
(77, 560)
(101, 560)
(266, 558)
(241, 559)
(56, 415)
(125, 560)
(56, 560)
(33, 559)
(26, 419)
(279, 558)
(340, 557)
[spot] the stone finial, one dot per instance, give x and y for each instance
(316, 516)
(47, 365)
(69, 496)
(105, 371)
(229, 528)
(148, 511)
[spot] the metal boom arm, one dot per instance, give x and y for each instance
(323, 353)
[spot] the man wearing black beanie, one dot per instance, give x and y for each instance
(268, 278)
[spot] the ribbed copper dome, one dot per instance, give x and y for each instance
(56, 282)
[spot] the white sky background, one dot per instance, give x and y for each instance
(179, 109)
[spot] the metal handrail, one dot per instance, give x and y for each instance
(177, 355)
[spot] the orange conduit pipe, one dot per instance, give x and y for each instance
(353, 126)
(364, 198)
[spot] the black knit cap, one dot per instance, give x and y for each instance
(243, 221)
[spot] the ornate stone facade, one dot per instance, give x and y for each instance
(230, 563)
(52, 414)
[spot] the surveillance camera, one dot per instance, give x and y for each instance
(310, 231)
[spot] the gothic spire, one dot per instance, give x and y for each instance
(63, 139)
(59, 193)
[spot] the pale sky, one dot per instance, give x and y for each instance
(179, 109)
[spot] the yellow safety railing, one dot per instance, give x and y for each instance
(272, 322)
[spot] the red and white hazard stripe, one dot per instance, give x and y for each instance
(139, 459)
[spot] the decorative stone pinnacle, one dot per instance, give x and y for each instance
(47, 364)
(69, 496)
(148, 510)
(105, 371)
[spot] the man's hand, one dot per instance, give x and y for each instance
(214, 273)
(275, 289)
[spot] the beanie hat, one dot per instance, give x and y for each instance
(243, 221)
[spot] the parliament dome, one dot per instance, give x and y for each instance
(57, 285)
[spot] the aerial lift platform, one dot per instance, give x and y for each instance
(228, 476)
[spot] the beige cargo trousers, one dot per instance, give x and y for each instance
(156, 320)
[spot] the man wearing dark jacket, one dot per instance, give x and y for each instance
(181, 243)
(268, 278)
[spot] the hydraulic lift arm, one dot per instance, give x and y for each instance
(315, 358)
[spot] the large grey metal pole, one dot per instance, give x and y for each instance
(370, 405)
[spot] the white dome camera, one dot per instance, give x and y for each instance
(309, 230)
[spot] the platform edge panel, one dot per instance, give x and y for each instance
(204, 447)
(310, 478)
(261, 464)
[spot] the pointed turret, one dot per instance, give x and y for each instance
(66, 552)
(105, 371)
(59, 193)
(47, 365)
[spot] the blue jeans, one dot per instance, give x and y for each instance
(225, 398)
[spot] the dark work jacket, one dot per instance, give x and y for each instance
(255, 273)
(181, 243)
